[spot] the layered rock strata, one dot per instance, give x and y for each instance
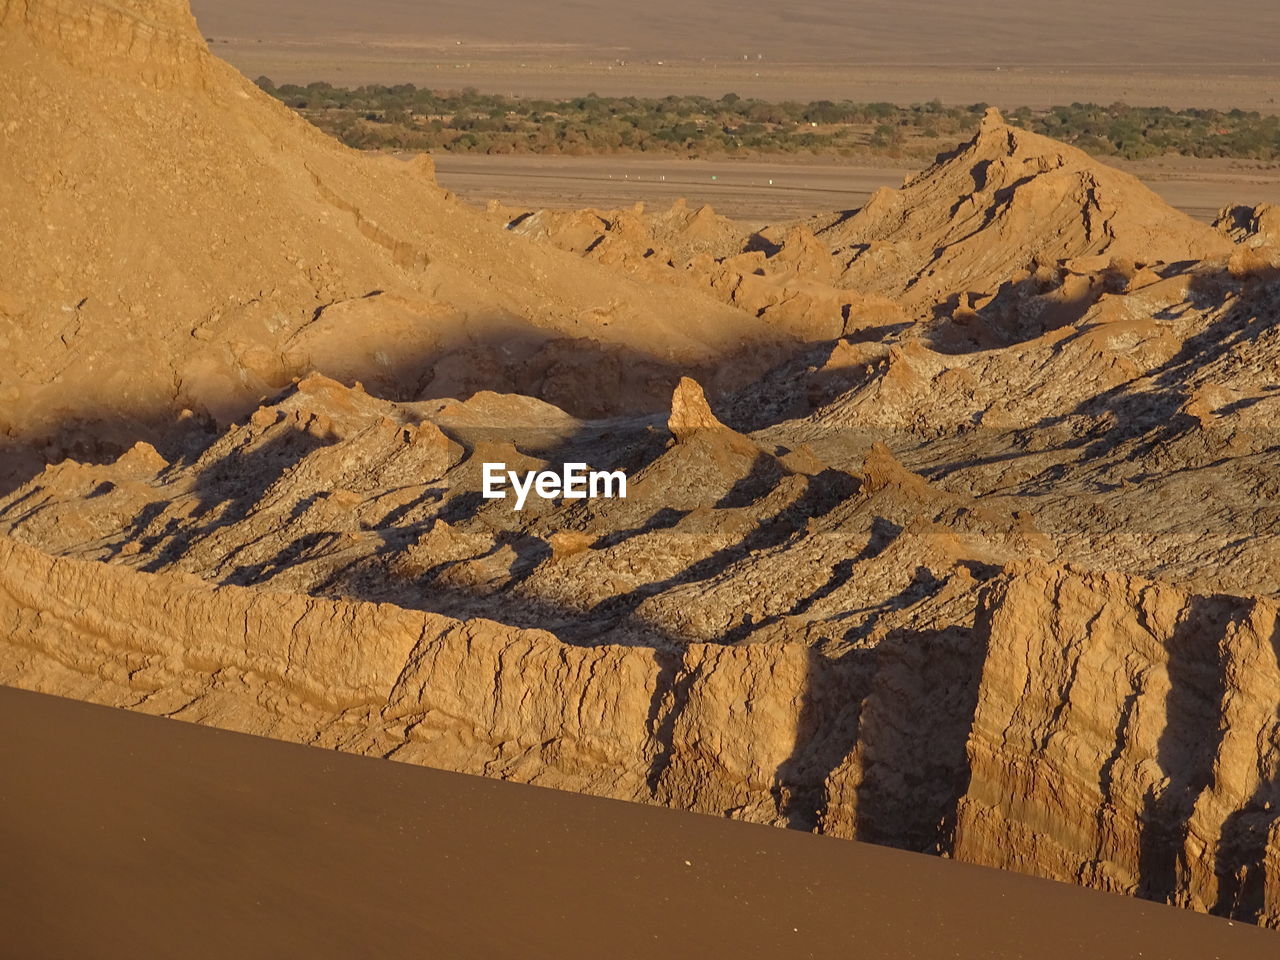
(1090, 727)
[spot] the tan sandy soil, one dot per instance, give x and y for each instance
(770, 190)
(144, 832)
(1178, 53)
(745, 190)
(1156, 33)
(1203, 187)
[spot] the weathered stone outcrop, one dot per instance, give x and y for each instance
(1126, 738)
(175, 239)
(723, 730)
(1005, 202)
(816, 606)
(1121, 733)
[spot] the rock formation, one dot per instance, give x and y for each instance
(1003, 203)
(975, 556)
(177, 240)
(1164, 788)
(1126, 737)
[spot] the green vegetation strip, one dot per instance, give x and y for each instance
(405, 117)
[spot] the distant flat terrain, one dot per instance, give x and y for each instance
(745, 190)
(764, 191)
(1008, 52)
(1162, 34)
(128, 836)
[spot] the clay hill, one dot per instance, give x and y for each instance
(175, 241)
(951, 521)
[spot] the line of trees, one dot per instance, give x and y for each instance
(407, 117)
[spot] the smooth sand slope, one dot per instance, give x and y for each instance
(129, 836)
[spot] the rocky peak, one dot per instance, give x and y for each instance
(690, 412)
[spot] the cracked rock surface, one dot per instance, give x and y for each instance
(951, 522)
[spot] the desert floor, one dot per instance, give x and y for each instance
(540, 75)
(902, 51)
(768, 190)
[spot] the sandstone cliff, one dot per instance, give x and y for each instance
(707, 727)
(1090, 727)
(1126, 737)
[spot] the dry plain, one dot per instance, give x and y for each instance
(1139, 51)
(762, 190)
(1006, 52)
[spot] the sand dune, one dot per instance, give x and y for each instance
(268, 849)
